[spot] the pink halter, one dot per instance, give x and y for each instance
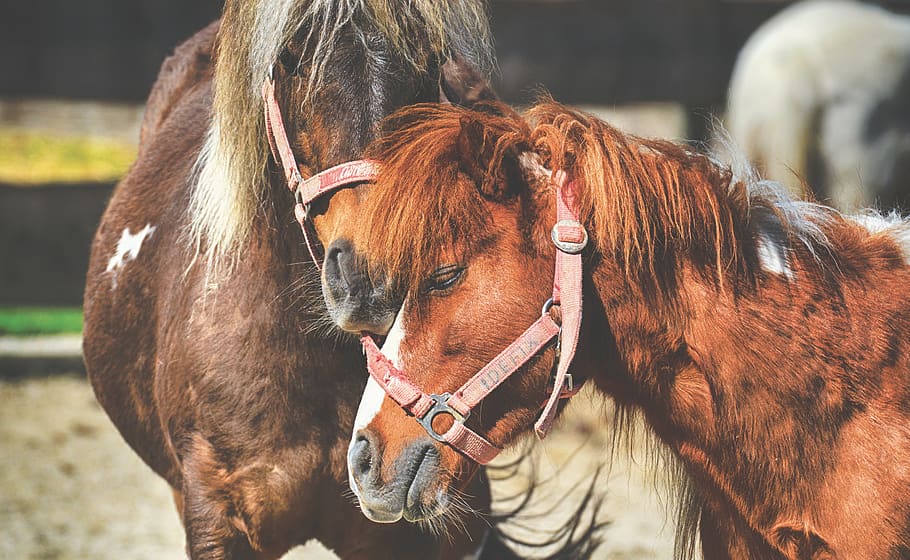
(306, 191)
(570, 239)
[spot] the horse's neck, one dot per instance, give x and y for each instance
(708, 371)
(755, 387)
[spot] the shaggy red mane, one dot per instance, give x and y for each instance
(640, 199)
(421, 165)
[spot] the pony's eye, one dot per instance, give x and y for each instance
(444, 278)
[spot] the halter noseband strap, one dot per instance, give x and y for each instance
(306, 191)
(570, 239)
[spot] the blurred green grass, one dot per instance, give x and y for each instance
(22, 321)
(30, 158)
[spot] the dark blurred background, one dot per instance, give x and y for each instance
(583, 51)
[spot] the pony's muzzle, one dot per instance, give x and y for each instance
(405, 489)
(355, 303)
(345, 271)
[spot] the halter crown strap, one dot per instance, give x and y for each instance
(278, 136)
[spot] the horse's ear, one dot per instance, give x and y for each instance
(798, 540)
(482, 157)
(461, 84)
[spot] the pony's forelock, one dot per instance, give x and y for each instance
(231, 180)
(640, 198)
(423, 205)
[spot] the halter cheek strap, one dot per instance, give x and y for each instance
(570, 239)
(306, 191)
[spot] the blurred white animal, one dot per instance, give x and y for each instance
(821, 93)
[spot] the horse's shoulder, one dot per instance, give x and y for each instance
(189, 65)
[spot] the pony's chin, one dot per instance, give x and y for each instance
(381, 516)
(354, 320)
(412, 512)
(418, 514)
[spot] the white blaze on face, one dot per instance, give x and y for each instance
(128, 247)
(374, 395)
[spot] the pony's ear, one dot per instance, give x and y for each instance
(482, 157)
(798, 540)
(461, 84)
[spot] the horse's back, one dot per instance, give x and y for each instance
(190, 65)
(138, 249)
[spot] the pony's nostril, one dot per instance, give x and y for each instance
(343, 268)
(333, 268)
(361, 458)
(333, 254)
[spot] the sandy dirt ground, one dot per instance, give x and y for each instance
(71, 489)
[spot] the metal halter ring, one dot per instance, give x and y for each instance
(569, 247)
(547, 306)
(440, 406)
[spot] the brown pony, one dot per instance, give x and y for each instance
(205, 333)
(763, 339)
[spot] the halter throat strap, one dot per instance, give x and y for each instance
(306, 191)
(570, 239)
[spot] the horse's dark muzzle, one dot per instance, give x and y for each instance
(355, 303)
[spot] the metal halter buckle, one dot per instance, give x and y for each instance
(440, 406)
(569, 247)
(569, 382)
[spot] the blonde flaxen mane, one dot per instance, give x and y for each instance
(232, 184)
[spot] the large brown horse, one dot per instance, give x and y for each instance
(205, 333)
(762, 338)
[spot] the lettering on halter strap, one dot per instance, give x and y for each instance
(349, 171)
(511, 361)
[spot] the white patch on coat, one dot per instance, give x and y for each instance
(374, 394)
(772, 256)
(776, 218)
(128, 248)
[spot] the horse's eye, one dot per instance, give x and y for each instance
(444, 277)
